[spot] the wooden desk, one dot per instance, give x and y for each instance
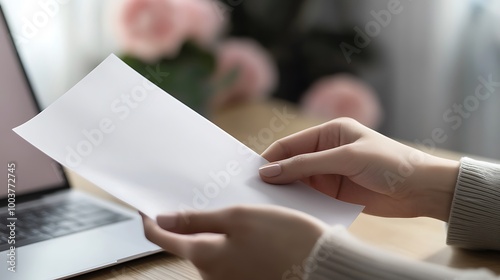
(419, 238)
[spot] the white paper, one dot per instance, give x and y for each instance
(129, 137)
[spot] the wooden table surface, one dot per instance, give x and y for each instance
(418, 238)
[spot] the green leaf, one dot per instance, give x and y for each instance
(189, 75)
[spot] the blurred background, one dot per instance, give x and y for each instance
(414, 70)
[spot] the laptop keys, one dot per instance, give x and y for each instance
(58, 219)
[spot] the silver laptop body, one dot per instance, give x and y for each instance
(47, 230)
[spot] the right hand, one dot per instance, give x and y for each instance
(353, 163)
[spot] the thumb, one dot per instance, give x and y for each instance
(194, 222)
(306, 165)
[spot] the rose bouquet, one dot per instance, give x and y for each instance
(179, 45)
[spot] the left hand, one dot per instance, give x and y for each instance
(243, 242)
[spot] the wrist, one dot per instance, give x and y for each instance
(440, 178)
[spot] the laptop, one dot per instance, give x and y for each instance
(58, 232)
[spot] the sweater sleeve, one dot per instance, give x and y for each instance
(338, 255)
(474, 221)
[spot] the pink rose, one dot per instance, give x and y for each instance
(151, 29)
(343, 96)
(205, 21)
(256, 72)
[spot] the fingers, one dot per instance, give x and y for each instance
(334, 161)
(295, 144)
(174, 243)
(171, 232)
(322, 137)
(195, 222)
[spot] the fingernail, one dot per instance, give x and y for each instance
(270, 170)
(167, 221)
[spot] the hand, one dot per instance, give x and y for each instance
(238, 243)
(350, 162)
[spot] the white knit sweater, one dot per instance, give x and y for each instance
(474, 224)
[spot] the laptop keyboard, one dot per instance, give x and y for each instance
(56, 219)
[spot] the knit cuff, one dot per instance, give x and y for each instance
(338, 255)
(474, 221)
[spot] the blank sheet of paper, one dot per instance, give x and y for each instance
(130, 138)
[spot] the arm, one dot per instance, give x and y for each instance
(474, 223)
(352, 163)
(349, 162)
(338, 255)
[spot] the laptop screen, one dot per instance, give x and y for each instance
(34, 171)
